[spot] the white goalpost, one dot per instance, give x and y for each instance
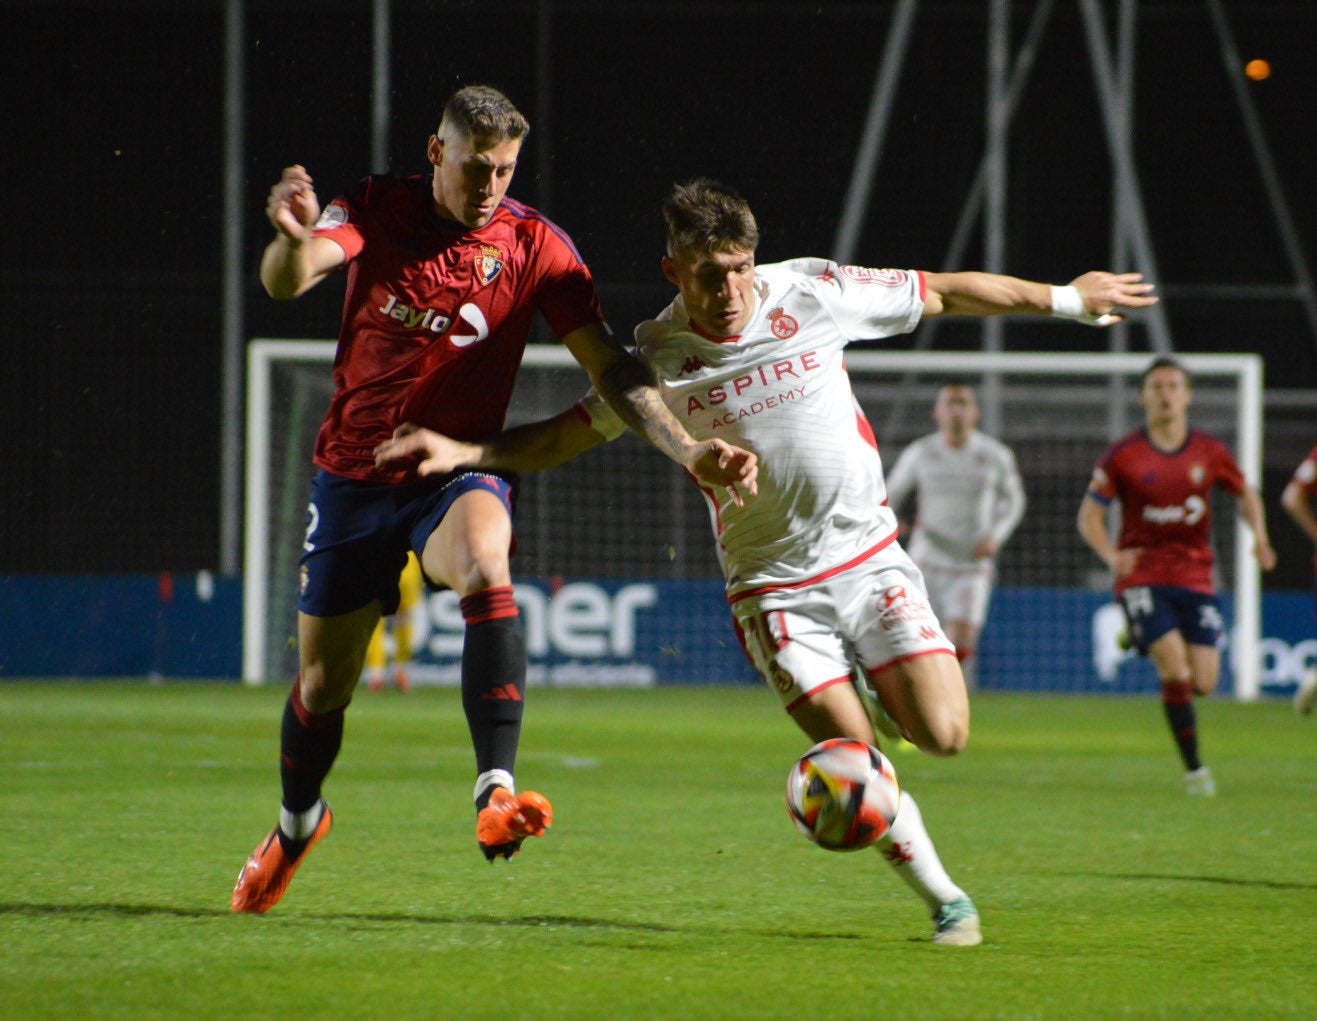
(615, 570)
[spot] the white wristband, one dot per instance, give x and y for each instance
(1068, 303)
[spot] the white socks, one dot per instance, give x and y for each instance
(909, 849)
(493, 778)
(300, 825)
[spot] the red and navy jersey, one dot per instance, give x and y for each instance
(436, 316)
(1165, 505)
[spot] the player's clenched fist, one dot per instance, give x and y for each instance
(293, 207)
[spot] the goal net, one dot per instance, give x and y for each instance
(615, 571)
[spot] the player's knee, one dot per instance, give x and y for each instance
(1204, 684)
(325, 687)
(945, 736)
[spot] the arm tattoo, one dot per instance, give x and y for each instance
(628, 386)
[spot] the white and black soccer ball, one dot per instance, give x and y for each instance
(843, 794)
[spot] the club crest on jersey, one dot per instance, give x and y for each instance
(782, 325)
(1197, 474)
(489, 263)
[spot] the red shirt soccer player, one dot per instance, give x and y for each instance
(444, 276)
(1163, 476)
(1300, 503)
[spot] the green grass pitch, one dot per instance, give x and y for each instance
(672, 884)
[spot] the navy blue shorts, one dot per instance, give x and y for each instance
(358, 535)
(1156, 610)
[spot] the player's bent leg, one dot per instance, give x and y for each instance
(909, 849)
(468, 551)
(332, 650)
(1173, 658)
(926, 696)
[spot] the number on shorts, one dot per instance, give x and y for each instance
(1138, 601)
(312, 519)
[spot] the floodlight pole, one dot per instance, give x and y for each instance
(231, 304)
(380, 86)
(855, 209)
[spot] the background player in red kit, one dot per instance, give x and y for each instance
(1300, 503)
(1163, 476)
(444, 276)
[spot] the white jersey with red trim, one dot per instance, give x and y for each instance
(965, 494)
(781, 390)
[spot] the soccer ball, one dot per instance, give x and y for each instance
(843, 794)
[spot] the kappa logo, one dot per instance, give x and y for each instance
(782, 325)
(691, 365)
(503, 693)
(489, 263)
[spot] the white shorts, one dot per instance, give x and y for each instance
(960, 592)
(873, 616)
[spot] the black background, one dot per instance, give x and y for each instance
(112, 119)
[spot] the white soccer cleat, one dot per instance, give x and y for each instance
(1305, 698)
(957, 924)
(1199, 783)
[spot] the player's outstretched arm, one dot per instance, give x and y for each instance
(1254, 514)
(627, 385)
(294, 261)
(1093, 298)
(536, 446)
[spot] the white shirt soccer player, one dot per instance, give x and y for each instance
(969, 500)
(820, 589)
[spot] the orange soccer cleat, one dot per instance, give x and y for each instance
(509, 819)
(267, 872)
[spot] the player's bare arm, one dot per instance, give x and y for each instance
(536, 446)
(1297, 505)
(294, 261)
(1254, 515)
(1092, 525)
(1093, 298)
(625, 382)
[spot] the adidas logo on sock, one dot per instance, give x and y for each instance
(503, 693)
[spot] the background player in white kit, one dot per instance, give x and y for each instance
(969, 499)
(818, 585)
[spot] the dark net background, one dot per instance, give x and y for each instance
(110, 274)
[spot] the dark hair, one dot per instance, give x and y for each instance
(704, 215)
(1164, 362)
(482, 112)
